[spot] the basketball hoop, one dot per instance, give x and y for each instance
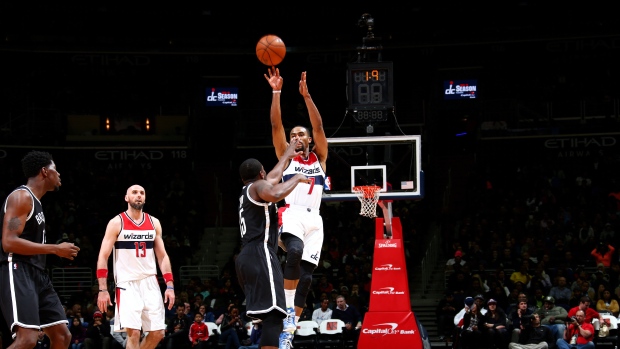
(368, 196)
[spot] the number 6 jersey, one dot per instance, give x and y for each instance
(134, 257)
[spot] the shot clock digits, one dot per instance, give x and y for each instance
(370, 86)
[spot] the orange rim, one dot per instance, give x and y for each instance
(367, 190)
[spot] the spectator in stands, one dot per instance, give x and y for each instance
(587, 290)
(608, 304)
(498, 293)
(207, 316)
(358, 299)
(351, 318)
(538, 299)
(600, 276)
(541, 279)
(503, 280)
(198, 332)
(458, 259)
(469, 301)
(322, 313)
(607, 234)
(574, 299)
(494, 331)
(324, 285)
(76, 311)
(177, 331)
(584, 305)
(78, 333)
(476, 287)
(553, 317)
(197, 301)
(445, 312)
(232, 328)
(43, 341)
(522, 275)
(603, 253)
(523, 297)
(188, 311)
(508, 259)
(515, 319)
(494, 261)
(534, 336)
(578, 333)
(98, 333)
(560, 292)
(471, 335)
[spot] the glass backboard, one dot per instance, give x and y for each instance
(391, 162)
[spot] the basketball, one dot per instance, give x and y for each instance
(270, 50)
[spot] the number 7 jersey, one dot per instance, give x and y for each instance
(304, 194)
(134, 256)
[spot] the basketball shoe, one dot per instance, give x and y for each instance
(286, 340)
(289, 321)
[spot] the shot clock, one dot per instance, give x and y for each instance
(369, 89)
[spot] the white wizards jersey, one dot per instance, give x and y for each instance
(134, 256)
(304, 194)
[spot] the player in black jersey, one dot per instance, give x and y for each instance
(27, 298)
(257, 265)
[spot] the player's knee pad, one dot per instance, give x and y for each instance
(305, 283)
(294, 251)
(272, 326)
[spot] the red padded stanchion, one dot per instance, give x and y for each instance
(389, 322)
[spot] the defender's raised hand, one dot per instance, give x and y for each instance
(294, 149)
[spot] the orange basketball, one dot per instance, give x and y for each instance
(270, 50)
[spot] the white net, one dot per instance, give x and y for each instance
(368, 196)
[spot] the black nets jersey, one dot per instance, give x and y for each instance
(258, 221)
(34, 231)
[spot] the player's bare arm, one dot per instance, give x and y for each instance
(318, 133)
(268, 192)
(111, 234)
(275, 175)
(277, 129)
(19, 205)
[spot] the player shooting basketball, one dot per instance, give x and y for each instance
(302, 226)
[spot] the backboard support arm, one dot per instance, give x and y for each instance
(387, 218)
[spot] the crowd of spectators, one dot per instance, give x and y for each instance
(534, 232)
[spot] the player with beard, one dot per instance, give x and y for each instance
(136, 239)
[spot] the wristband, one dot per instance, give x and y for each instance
(103, 290)
(170, 287)
(276, 91)
(102, 273)
(168, 277)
